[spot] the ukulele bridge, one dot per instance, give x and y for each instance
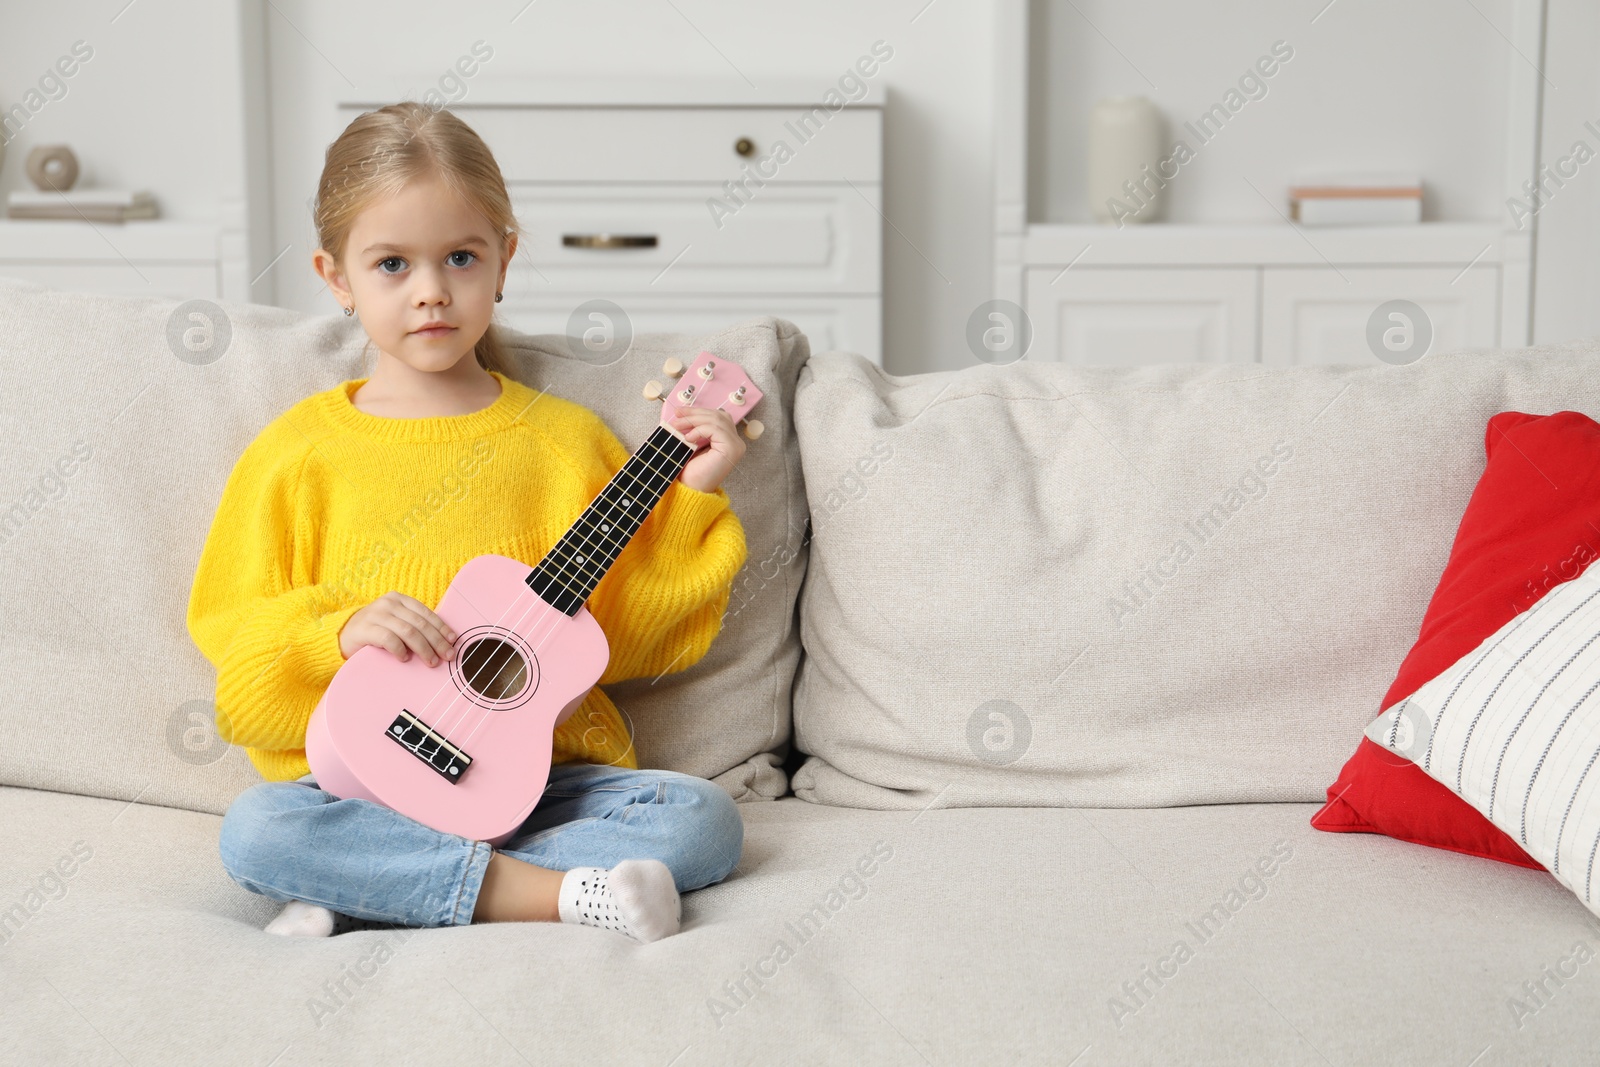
(420, 739)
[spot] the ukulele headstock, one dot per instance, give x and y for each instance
(708, 382)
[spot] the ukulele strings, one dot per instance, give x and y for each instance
(539, 602)
(560, 578)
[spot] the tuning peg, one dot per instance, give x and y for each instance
(753, 428)
(652, 390)
(672, 368)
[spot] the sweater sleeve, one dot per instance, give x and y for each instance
(661, 604)
(273, 640)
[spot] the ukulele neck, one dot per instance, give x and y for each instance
(569, 572)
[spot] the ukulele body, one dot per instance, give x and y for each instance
(463, 747)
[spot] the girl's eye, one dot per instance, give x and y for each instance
(473, 256)
(391, 259)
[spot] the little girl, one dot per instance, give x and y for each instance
(351, 512)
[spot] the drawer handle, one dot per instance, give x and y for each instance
(744, 146)
(608, 240)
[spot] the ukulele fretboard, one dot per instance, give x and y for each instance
(570, 571)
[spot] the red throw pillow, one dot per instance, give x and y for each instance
(1532, 523)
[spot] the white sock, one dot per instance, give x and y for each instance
(299, 919)
(636, 897)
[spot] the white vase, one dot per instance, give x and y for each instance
(1125, 145)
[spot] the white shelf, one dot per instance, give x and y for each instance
(77, 241)
(1285, 244)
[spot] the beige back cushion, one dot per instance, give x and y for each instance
(1037, 584)
(116, 452)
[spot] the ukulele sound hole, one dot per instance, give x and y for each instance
(494, 669)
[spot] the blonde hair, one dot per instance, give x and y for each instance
(381, 151)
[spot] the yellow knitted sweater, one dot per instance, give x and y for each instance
(331, 507)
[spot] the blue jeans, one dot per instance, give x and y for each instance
(294, 841)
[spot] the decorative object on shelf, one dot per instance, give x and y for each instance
(1356, 199)
(52, 166)
(89, 205)
(1125, 143)
(53, 169)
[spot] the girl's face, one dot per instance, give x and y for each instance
(424, 256)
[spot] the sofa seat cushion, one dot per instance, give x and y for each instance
(979, 935)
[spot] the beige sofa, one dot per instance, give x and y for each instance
(1028, 724)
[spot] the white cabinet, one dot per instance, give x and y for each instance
(1282, 315)
(146, 257)
(1268, 294)
(1129, 316)
(690, 214)
(1321, 315)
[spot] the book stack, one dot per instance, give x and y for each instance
(92, 205)
(1356, 199)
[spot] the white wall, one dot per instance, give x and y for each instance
(157, 108)
(1566, 294)
(939, 84)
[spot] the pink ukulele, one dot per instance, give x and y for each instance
(465, 747)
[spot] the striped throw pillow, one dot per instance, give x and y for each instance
(1513, 728)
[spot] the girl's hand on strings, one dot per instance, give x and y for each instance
(724, 447)
(401, 624)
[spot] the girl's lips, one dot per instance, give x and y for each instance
(437, 331)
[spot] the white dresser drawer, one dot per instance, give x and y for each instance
(784, 239)
(576, 144)
(850, 323)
